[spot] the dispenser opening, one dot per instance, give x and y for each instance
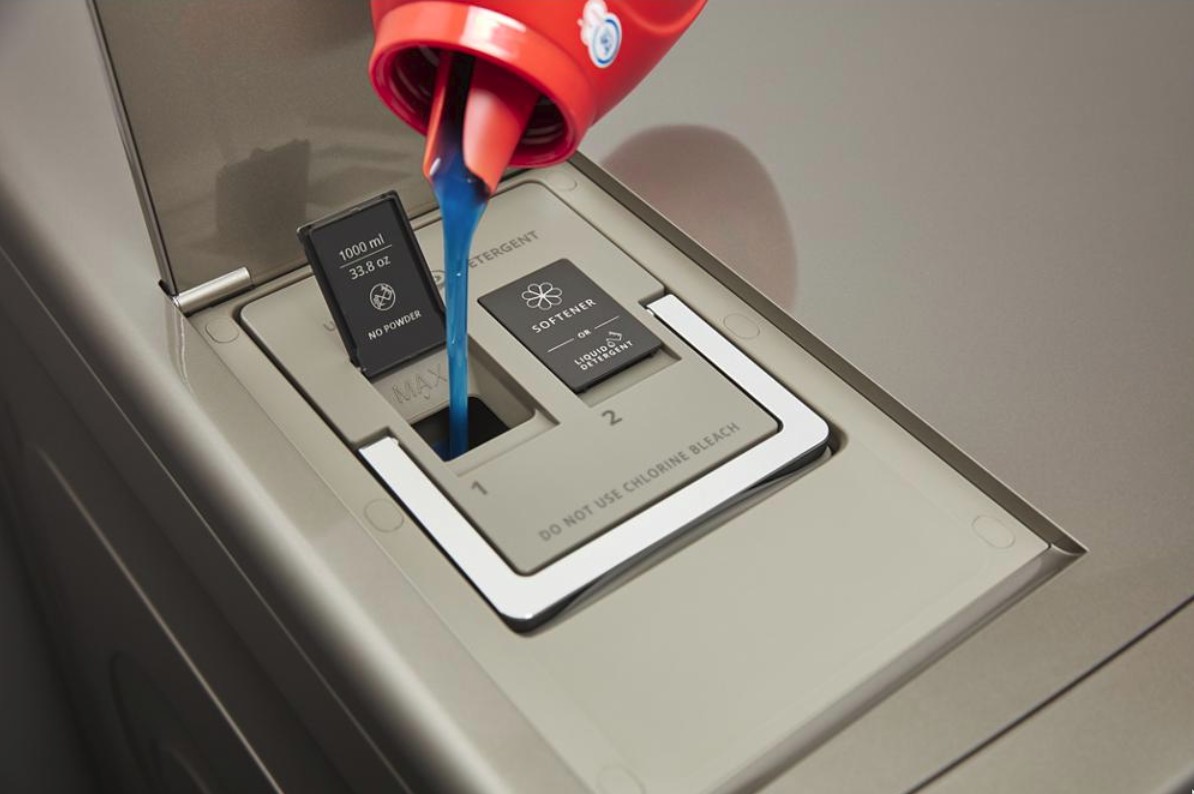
(484, 425)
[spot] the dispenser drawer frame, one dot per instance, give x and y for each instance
(755, 571)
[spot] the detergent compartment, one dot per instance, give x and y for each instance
(724, 506)
(603, 407)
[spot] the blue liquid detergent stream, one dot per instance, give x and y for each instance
(462, 198)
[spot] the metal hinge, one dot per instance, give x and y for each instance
(211, 292)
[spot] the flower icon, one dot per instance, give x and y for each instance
(542, 296)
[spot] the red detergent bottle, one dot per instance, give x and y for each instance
(544, 71)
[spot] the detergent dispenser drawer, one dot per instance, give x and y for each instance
(606, 414)
(675, 503)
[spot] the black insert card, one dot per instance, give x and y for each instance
(573, 326)
(376, 282)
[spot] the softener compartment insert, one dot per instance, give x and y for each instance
(623, 417)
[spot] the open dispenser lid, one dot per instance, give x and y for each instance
(245, 121)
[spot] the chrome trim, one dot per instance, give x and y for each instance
(525, 598)
(211, 292)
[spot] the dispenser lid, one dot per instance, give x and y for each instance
(245, 121)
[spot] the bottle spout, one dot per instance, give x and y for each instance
(497, 108)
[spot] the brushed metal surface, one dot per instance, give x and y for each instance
(249, 120)
(1148, 685)
(987, 205)
(986, 208)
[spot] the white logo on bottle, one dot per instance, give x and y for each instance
(601, 32)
